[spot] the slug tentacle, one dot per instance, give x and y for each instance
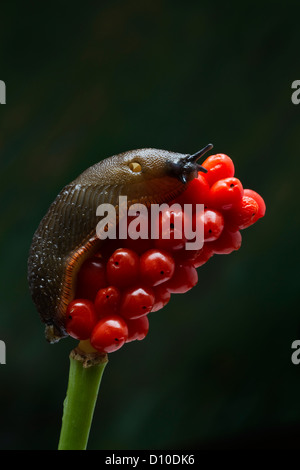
(195, 157)
(66, 236)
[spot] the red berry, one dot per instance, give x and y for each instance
(123, 268)
(162, 297)
(226, 243)
(139, 246)
(261, 203)
(219, 166)
(109, 247)
(80, 318)
(203, 256)
(136, 302)
(175, 242)
(91, 277)
(242, 215)
(213, 222)
(170, 229)
(107, 301)
(197, 192)
(184, 278)
(186, 255)
(225, 193)
(109, 334)
(137, 329)
(143, 227)
(156, 266)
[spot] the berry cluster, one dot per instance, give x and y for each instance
(118, 288)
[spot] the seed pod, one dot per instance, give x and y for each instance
(66, 236)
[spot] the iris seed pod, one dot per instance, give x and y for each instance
(66, 236)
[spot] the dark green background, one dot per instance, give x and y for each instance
(86, 80)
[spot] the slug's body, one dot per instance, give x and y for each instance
(66, 235)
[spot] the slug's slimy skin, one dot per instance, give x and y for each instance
(67, 236)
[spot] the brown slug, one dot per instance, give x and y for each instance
(66, 235)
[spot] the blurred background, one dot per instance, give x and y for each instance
(89, 80)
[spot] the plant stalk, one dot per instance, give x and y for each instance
(80, 401)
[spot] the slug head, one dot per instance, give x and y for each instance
(186, 168)
(145, 172)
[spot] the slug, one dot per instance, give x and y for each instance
(66, 236)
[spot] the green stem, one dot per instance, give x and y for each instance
(79, 404)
